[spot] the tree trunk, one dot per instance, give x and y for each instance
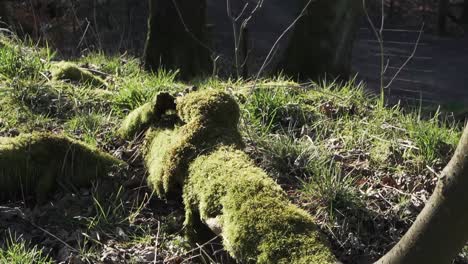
(441, 230)
(3, 13)
(176, 37)
(464, 18)
(442, 13)
(322, 41)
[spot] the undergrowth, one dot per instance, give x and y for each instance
(363, 170)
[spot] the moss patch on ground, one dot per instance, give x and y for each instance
(35, 163)
(68, 71)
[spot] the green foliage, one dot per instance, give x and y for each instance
(140, 87)
(90, 126)
(433, 139)
(331, 144)
(272, 109)
(21, 59)
(330, 190)
(17, 251)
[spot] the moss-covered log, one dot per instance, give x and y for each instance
(144, 116)
(257, 222)
(176, 37)
(35, 163)
(322, 41)
(202, 156)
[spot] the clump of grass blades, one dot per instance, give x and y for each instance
(22, 59)
(18, 251)
(140, 87)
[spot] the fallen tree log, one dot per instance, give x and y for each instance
(34, 163)
(202, 156)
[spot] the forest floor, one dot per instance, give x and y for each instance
(362, 169)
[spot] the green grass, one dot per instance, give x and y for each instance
(17, 251)
(332, 146)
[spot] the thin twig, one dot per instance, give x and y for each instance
(273, 48)
(409, 58)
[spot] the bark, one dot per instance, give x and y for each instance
(3, 12)
(464, 18)
(440, 231)
(442, 13)
(322, 41)
(176, 37)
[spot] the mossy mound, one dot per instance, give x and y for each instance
(68, 71)
(34, 163)
(259, 224)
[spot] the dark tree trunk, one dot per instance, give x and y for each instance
(322, 41)
(176, 37)
(441, 230)
(464, 18)
(3, 12)
(442, 12)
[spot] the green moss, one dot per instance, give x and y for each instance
(146, 115)
(202, 157)
(72, 72)
(34, 163)
(209, 106)
(259, 224)
(170, 153)
(158, 143)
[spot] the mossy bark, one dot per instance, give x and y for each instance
(209, 119)
(440, 230)
(140, 119)
(257, 222)
(176, 38)
(222, 187)
(321, 43)
(34, 163)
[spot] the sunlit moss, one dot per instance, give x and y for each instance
(71, 72)
(203, 157)
(34, 163)
(170, 152)
(259, 224)
(146, 115)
